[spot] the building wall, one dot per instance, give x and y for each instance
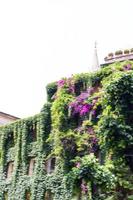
(6, 118)
(56, 154)
(23, 165)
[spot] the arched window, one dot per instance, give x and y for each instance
(31, 166)
(10, 167)
(50, 165)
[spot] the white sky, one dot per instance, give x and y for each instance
(44, 40)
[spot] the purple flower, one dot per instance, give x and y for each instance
(83, 96)
(94, 144)
(95, 100)
(71, 88)
(94, 140)
(71, 85)
(90, 90)
(74, 107)
(90, 130)
(61, 83)
(93, 112)
(78, 109)
(127, 67)
(85, 109)
(79, 106)
(73, 104)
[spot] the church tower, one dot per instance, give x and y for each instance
(95, 62)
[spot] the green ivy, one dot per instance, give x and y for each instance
(93, 150)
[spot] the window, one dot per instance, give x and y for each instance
(101, 157)
(5, 196)
(10, 167)
(31, 166)
(48, 195)
(10, 140)
(32, 133)
(50, 165)
(27, 195)
(77, 196)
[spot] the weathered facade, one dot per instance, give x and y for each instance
(6, 118)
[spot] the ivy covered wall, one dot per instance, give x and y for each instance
(79, 147)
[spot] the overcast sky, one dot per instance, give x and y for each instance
(44, 40)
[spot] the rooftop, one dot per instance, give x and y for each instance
(118, 56)
(7, 118)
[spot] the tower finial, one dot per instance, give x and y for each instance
(95, 63)
(95, 44)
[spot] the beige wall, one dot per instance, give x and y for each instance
(6, 119)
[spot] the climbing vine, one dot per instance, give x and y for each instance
(80, 146)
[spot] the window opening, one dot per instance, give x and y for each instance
(31, 166)
(10, 167)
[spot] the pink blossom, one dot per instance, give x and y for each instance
(90, 130)
(78, 164)
(84, 187)
(61, 83)
(127, 67)
(93, 112)
(95, 100)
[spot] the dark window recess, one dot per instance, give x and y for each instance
(10, 140)
(79, 85)
(32, 133)
(5, 196)
(31, 166)
(27, 195)
(50, 165)
(129, 157)
(48, 195)
(10, 167)
(101, 157)
(78, 195)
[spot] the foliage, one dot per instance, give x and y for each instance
(87, 126)
(51, 90)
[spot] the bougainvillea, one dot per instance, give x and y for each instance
(81, 143)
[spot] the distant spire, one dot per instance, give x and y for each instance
(95, 63)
